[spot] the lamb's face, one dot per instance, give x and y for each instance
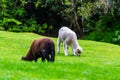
(78, 51)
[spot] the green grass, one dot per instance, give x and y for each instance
(99, 61)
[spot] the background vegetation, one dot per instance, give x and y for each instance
(97, 20)
(91, 19)
(99, 61)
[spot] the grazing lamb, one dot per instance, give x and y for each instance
(68, 37)
(44, 48)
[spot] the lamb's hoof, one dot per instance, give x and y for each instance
(66, 54)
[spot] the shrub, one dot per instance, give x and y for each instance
(116, 38)
(106, 30)
(44, 28)
(100, 36)
(9, 23)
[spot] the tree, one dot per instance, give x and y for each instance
(74, 18)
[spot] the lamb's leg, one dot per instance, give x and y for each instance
(52, 55)
(43, 58)
(48, 58)
(73, 50)
(58, 43)
(65, 49)
(35, 56)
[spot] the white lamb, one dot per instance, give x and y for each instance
(68, 37)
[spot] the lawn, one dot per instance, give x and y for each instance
(99, 61)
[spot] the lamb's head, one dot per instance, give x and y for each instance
(78, 51)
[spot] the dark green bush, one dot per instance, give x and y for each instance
(106, 30)
(116, 38)
(44, 28)
(100, 36)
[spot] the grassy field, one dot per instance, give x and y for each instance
(99, 61)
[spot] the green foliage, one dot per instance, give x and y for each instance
(18, 12)
(116, 38)
(106, 28)
(43, 28)
(47, 16)
(5, 21)
(100, 36)
(32, 26)
(105, 23)
(99, 61)
(9, 23)
(85, 10)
